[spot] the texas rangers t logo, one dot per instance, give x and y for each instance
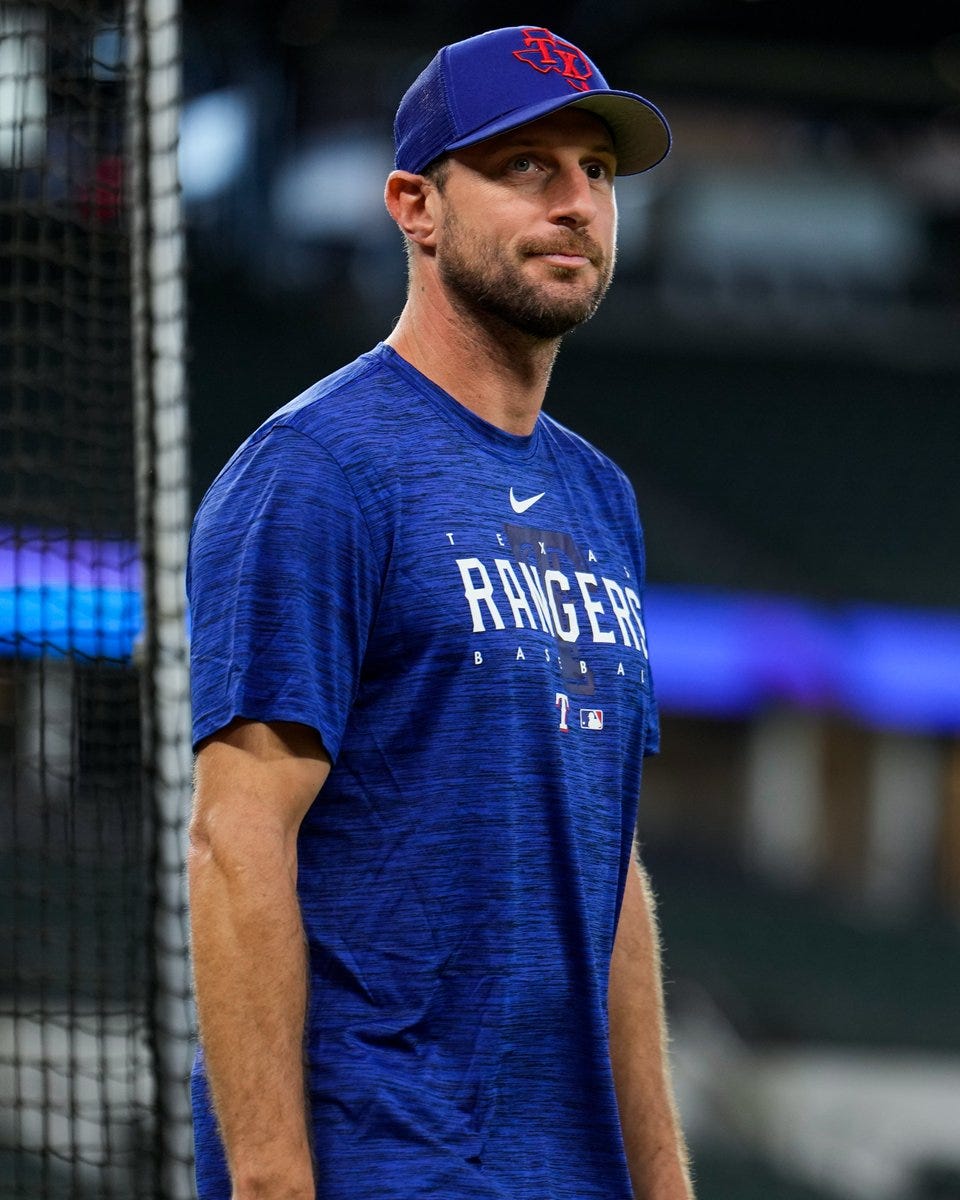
(548, 53)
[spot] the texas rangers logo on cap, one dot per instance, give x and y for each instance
(545, 52)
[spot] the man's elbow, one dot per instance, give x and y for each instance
(229, 843)
(200, 847)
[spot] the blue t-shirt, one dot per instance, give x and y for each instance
(458, 612)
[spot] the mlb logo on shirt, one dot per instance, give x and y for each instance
(591, 718)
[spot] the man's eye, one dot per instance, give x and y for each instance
(522, 164)
(597, 171)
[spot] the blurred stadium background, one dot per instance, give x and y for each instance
(776, 368)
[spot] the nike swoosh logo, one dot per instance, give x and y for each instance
(521, 506)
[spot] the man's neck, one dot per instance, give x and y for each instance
(495, 371)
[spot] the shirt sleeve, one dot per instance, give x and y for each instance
(651, 723)
(282, 581)
(651, 731)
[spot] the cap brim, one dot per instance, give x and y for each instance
(641, 135)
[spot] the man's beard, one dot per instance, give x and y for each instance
(482, 281)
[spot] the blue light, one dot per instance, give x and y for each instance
(61, 622)
(732, 655)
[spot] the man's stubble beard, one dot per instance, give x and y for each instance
(482, 282)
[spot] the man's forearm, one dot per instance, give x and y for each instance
(656, 1153)
(250, 979)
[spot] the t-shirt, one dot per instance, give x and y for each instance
(458, 612)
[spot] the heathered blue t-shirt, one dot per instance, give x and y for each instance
(458, 612)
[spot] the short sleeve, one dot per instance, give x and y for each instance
(651, 716)
(651, 726)
(283, 581)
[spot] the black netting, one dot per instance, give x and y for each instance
(78, 829)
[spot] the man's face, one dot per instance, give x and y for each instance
(527, 233)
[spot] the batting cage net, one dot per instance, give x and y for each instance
(95, 1024)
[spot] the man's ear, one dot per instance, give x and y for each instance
(411, 201)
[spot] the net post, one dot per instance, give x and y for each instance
(162, 475)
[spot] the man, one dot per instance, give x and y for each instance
(424, 964)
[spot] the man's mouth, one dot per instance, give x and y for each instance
(557, 259)
(573, 257)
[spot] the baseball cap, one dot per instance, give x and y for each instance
(499, 80)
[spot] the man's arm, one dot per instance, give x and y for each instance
(656, 1154)
(254, 783)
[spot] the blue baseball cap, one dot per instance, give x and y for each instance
(485, 85)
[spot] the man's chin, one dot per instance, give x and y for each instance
(548, 322)
(568, 307)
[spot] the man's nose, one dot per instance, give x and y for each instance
(573, 199)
